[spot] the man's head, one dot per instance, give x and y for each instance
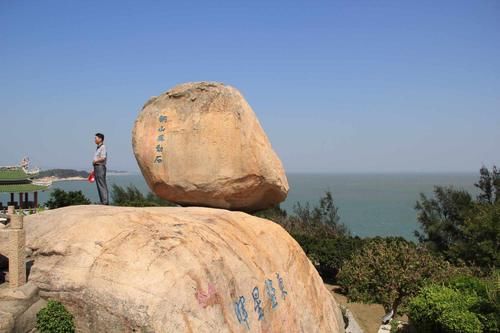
(99, 138)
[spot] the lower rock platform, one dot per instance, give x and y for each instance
(175, 269)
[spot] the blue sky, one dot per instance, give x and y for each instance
(339, 86)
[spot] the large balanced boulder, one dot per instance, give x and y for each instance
(201, 144)
(175, 269)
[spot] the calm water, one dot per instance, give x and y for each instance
(370, 204)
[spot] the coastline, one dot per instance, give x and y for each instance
(53, 179)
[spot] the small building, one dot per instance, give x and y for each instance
(19, 180)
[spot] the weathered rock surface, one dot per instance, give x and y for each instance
(201, 144)
(175, 269)
(18, 308)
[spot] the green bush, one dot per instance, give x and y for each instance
(486, 289)
(439, 308)
(54, 318)
(60, 198)
(469, 284)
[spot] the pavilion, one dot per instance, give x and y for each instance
(17, 179)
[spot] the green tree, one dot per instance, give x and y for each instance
(443, 217)
(60, 198)
(131, 196)
(390, 270)
(489, 184)
(461, 228)
(479, 244)
(323, 219)
(327, 212)
(318, 230)
(328, 254)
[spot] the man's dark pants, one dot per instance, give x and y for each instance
(100, 180)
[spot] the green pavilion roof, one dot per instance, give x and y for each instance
(22, 188)
(11, 174)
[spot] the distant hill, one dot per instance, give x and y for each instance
(118, 171)
(62, 173)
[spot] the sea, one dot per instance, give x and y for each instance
(369, 204)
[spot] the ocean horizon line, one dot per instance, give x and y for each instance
(294, 172)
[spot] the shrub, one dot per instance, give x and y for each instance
(486, 289)
(54, 318)
(60, 198)
(439, 308)
(389, 270)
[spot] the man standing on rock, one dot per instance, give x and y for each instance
(99, 163)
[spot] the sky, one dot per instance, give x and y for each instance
(338, 86)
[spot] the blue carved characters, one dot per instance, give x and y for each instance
(257, 303)
(239, 306)
(281, 284)
(271, 292)
(160, 139)
(241, 313)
